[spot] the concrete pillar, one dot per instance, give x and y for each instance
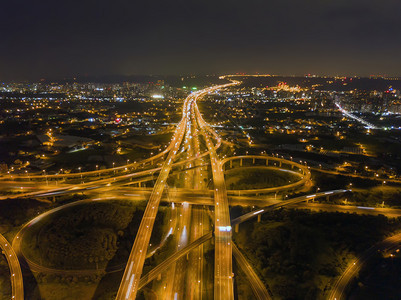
(236, 228)
(159, 277)
(240, 162)
(259, 217)
(151, 162)
(280, 163)
(54, 199)
(253, 161)
(231, 163)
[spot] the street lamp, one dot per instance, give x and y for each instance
(44, 171)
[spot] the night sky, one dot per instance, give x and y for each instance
(55, 39)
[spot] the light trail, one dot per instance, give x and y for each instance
(138, 252)
(349, 115)
(17, 285)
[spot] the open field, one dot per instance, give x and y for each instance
(257, 178)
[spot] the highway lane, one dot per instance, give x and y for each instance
(200, 199)
(361, 210)
(254, 214)
(152, 274)
(223, 277)
(129, 284)
(52, 190)
(81, 187)
(181, 265)
(360, 120)
(134, 165)
(100, 183)
(176, 286)
(223, 281)
(257, 285)
(356, 175)
(194, 280)
(17, 285)
(195, 265)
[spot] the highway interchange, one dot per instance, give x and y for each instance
(192, 151)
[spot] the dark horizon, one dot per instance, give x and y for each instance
(56, 40)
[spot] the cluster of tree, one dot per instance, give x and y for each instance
(380, 278)
(87, 236)
(374, 198)
(332, 182)
(256, 179)
(82, 236)
(93, 246)
(369, 197)
(296, 252)
(69, 279)
(5, 282)
(15, 212)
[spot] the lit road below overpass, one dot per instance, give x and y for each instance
(17, 284)
(133, 271)
(223, 272)
(257, 285)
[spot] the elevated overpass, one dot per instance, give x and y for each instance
(273, 163)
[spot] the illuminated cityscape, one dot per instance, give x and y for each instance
(200, 151)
